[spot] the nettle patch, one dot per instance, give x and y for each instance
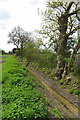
(20, 99)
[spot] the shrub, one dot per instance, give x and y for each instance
(71, 91)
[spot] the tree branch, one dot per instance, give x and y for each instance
(61, 4)
(70, 5)
(71, 24)
(74, 30)
(74, 12)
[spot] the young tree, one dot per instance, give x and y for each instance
(60, 23)
(19, 38)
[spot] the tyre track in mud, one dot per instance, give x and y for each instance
(68, 104)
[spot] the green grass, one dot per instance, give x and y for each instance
(20, 99)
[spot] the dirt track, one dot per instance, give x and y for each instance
(70, 103)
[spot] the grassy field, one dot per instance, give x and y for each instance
(20, 99)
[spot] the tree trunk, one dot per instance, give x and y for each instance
(61, 55)
(60, 66)
(21, 50)
(28, 61)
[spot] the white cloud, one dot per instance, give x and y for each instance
(19, 12)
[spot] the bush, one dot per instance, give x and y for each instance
(47, 58)
(44, 58)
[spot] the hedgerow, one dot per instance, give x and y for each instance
(20, 99)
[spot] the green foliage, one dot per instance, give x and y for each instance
(31, 52)
(43, 58)
(19, 97)
(56, 113)
(61, 81)
(45, 61)
(48, 59)
(70, 91)
(76, 92)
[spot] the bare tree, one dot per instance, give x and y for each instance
(19, 38)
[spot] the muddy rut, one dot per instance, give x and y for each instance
(69, 102)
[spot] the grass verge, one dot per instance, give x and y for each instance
(20, 99)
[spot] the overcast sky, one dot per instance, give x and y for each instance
(23, 13)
